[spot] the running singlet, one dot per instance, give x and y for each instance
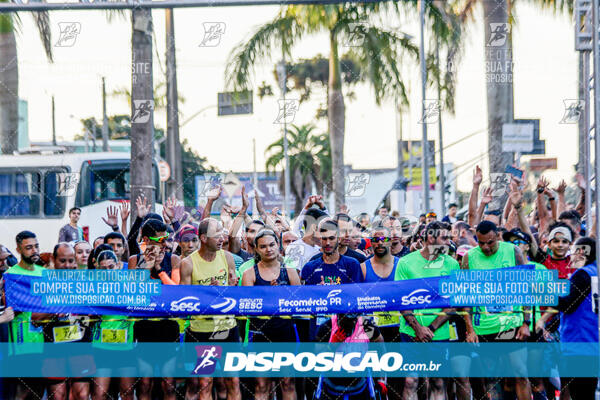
(21, 330)
(273, 326)
(492, 321)
(202, 273)
(382, 319)
(415, 266)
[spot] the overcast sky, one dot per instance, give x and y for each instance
(545, 75)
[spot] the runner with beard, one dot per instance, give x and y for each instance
(431, 261)
(22, 329)
(210, 265)
(382, 268)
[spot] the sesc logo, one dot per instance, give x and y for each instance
(189, 303)
(334, 292)
(415, 298)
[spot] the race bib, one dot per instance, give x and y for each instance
(114, 335)
(70, 333)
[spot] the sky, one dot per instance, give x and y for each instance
(545, 75)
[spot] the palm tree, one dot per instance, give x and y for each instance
(310, 161)
(379, 52)
(9, 75)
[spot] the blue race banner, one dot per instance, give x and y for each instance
(26, 293)
(133, 293)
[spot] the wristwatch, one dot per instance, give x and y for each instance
(527, 322)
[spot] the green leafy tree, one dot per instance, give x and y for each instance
(310, 161)
(380, 52)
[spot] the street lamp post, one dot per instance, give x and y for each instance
(282, 75)
(424, 148)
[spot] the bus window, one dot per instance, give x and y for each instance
(54, 194)
(19, 194)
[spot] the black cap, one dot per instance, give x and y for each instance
(516, 234)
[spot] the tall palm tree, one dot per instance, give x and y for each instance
(310, 161)
(379, 51)
(9, 75)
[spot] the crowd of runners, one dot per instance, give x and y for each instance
(318, 247)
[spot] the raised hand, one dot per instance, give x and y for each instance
(580, 181)
(516, 197)
(169, 209)
(562, 186)
(217, 193)
(143, 208)
(542, 184)
(245, 202)
(124, 211)
(477, 176)
(486, 197)
(111, 217)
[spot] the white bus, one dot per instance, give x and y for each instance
(37, 191)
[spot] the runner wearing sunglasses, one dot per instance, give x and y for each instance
(162, 265)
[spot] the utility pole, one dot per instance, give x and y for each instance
(175, 182)
(424, 144)
(282, 75)
(53, 124)
(440, 139)
(142, 110)
(104, 118)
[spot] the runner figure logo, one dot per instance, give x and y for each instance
(287, 111)
(67, 185)
(357, 184)
(142, 111)
(207, 359)
(498, 34)
(431, 113)
(212, 34)
(68, 33)
(573, 110)
(356, 34)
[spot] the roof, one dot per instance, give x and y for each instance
(49, 160)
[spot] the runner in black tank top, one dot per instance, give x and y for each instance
(274, 329)
(268, 271)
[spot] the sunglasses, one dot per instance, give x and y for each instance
(431, 215)
(378, 239)
(159, 239)
(518, 242)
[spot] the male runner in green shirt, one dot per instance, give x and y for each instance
(431, 261)
(494, 324)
